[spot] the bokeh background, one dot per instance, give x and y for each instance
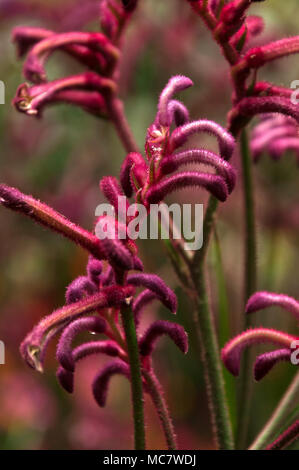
(60, 160)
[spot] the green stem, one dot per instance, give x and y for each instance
(211, 363)
(224, 325)
(208, 225)
(246, 384)
(290, 398)
(156, 393)
(251, 271)
(136, 379)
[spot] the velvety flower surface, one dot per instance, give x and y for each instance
(275, 135)
(171, 129)
(287, 343)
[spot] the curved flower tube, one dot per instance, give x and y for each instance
(231, 353)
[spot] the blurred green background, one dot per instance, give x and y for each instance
(60, 160)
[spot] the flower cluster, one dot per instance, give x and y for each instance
(98, 52)
(233, 28)
(150, 180)
(275, 134)
(231, 353)
(94, 301)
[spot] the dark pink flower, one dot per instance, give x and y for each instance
(231, 353)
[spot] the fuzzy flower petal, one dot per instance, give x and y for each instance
(161, 327)
(157, 285)
(101, 382)
(175, 85)
(231, 353)
(64, 348)
(215, 184)
(261, 300)
(265, 362)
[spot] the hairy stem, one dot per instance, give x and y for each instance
(136, 378)
(211, 363)
(119, 120)
(288, 400)
(250, 265)
(250, 278)
(157, 395)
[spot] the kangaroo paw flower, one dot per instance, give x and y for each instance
(32, 100)
(178, 113)
(156, 285)
(175, 161)
(175, 85)
(94, 270)
(32, 348)
(225, 140)
(13, 199)
(133, 173)
(159, 328)
(140, 302)
(261, 300)
(215, 184)
(101, 382)
(64, 349)
(231, 353)
(66, 376)
(78, 289)
(265, 362)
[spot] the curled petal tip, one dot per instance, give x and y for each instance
(215, 184)
(64, 348)
(159, 328)
(66, 379)
(265, 362)
(231, 353)
(79, 289)
(264, 299)
(94, 269)
(101, 382)
(175, 85)
(133, 173)
(158, 286)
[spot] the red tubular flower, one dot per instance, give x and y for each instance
(265, 362)
(156, 330)
(141, 301)
(231, 353)
(32, 100)
(101, 46)
(64, 349)
(33, 347)
(96, 51)
(15, 200)
(66, 377)
(148, 180)
(101, 382)
(175, 85)
(78, 289)
(223, 168)
(250, 107)
(133, 173)
(215, 184)
(275, 135)
(155, 284)
(94, 301)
